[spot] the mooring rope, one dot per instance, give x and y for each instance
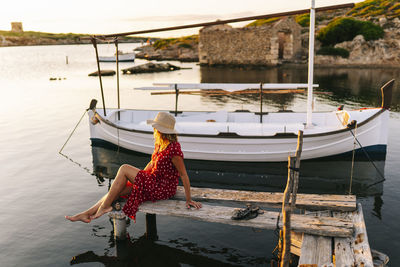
(73, 131)
(69, 137)
(368, 157)
(352, 159)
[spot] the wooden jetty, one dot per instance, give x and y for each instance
(322, 229)
(340, 223)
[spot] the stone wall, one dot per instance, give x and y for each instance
(269, 44)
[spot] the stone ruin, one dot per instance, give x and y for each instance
(266, 45)
(16, 27)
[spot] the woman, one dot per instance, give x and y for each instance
(157, 181)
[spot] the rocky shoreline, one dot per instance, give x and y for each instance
(170, 52)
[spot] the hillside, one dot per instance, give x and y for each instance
(9, 38)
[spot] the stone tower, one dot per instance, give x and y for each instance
(16, 27)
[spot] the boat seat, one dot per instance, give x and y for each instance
(219, 116)
(264, 129)
(205, 128)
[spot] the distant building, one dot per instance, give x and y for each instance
(16, 27)
(269, 44)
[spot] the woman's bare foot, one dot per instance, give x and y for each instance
(101, 211)
(83, 217)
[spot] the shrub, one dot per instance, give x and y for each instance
(185, 45)
(260, 22)
(185, 41)
(345, 29)
(332, 51)
(303, 20)
(369, 8)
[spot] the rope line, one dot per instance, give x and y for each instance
(69, 137)
(73, 131)
(352, 160)
(369, 158)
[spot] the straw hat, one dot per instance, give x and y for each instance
(164, 122)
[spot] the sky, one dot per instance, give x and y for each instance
(113, 16)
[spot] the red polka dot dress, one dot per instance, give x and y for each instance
(158, 183)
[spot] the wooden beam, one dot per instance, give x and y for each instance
(326, 226)
(223, 92)
(303, 201)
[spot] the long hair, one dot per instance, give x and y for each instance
(163, 140)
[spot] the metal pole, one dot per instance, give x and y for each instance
(261, 102)
(219, 22)
(117, 61)
(98, 69)
(311, 65)
(176, 99)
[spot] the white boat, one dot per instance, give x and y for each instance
(128, 57)
(248, 136)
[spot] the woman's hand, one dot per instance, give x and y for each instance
(194, 204)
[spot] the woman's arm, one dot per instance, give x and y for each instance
(180, 166)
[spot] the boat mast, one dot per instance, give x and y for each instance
(311, 65)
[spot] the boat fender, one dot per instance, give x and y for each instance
(94, 120)
(352, 124)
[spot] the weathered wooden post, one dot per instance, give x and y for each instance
(286, 212)
(297, 167)
(151, 227)
(291, 189)
(119, 222)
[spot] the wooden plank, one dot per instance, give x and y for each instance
(343, 250)
(303, 201)
(316, 250)
(297, 239)
(353, 251)
(361, 248)
(327, 226)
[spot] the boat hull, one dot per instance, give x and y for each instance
(232, 147)
(121, 58)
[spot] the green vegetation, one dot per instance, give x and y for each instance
(185, 42)
(332, 51)
(345, 29)
(303, 19)
(73, 37)
(260, 22)
(32, 34)
(389, 8)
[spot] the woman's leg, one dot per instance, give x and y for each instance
(84, 216)
(126, 172)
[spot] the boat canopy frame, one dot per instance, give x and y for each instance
(312, 10)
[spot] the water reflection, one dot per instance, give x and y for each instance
(354, 87)
(328, 175)
(146, 252)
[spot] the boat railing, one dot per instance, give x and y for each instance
(227, 87)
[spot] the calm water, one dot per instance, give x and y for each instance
(39, 187)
